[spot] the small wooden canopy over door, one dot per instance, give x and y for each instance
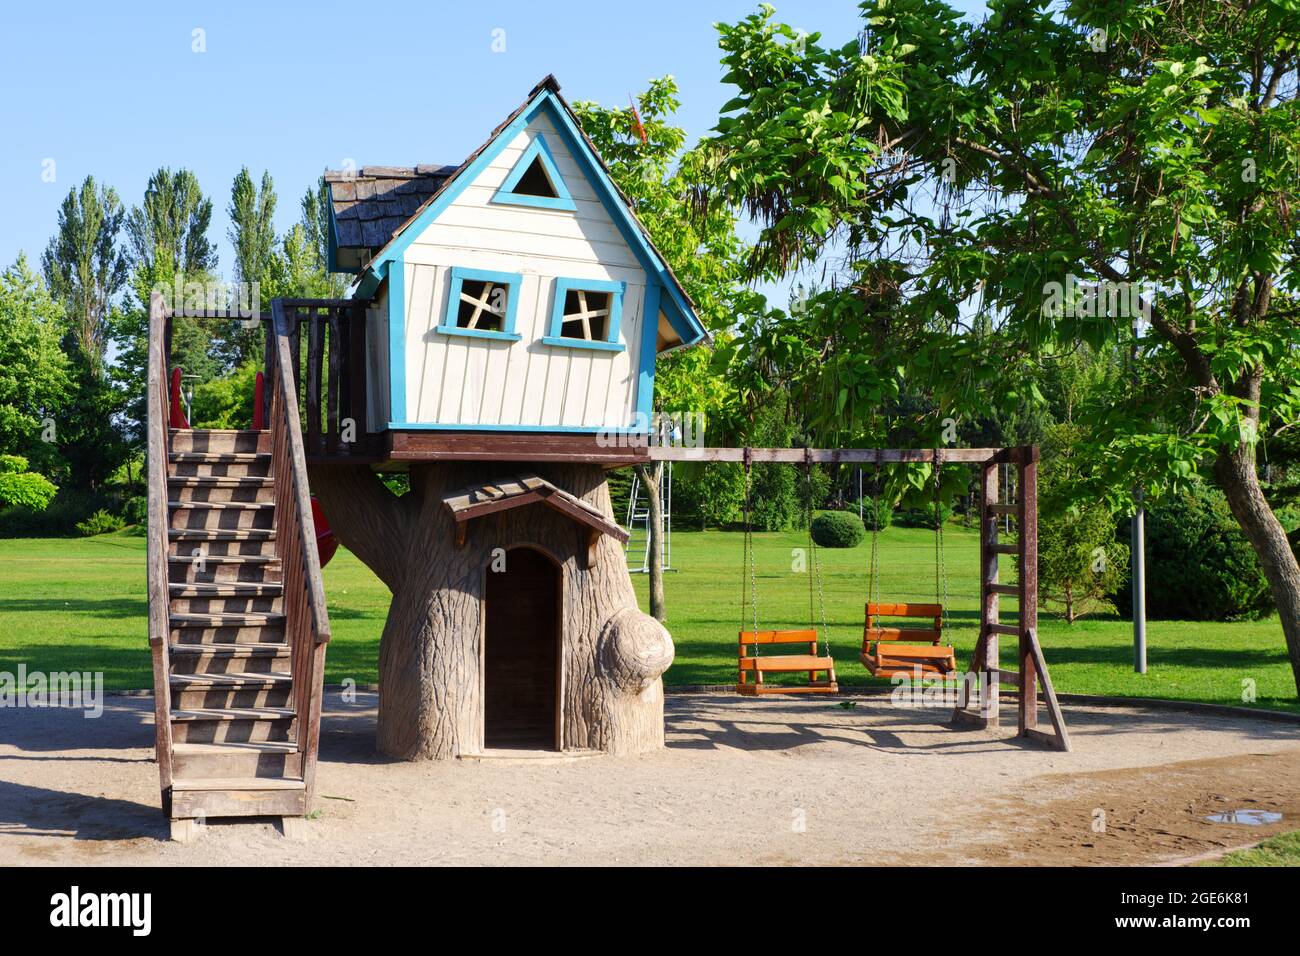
(525, 489)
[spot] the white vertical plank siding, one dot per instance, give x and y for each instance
(469, 381)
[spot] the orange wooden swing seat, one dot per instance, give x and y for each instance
(885, 655)
(752, 668)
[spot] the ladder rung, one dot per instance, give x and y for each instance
(1010, 590)
(1001, 509)
(1005, 548)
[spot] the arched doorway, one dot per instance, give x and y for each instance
(521, 654)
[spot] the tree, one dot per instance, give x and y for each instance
(169, 242)
(35, 380)
(430, 653)
(1066, 170)
(1079, 560)
(252, 225)
(18, 486)
(169, 230)
(640, 147)
(83, 266)
(252, 234)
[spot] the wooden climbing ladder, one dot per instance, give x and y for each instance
(1031, 672)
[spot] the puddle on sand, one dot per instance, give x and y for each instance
(1250, 818)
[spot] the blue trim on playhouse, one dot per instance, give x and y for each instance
(555, 327)
(645, 387)
(511, 280)
(674, 304)
(537, 150)
(663, 293)
(396, 274)
(473, 427)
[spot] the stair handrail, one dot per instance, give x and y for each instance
(157, 542)
(307, 626)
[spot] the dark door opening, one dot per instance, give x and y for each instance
(521, 657)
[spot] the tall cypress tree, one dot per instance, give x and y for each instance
(84, 266)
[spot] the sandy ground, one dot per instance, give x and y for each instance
(742, 781)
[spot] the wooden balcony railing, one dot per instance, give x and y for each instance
(331, 376)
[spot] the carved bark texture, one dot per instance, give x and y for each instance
(431, 651)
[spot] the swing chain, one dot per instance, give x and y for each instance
(940, 568)
(749, 557)
(873, 571)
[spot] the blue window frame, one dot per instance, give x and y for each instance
(528, 182)
(475, 307)
(586, 314)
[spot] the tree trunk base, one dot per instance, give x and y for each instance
(556, 648)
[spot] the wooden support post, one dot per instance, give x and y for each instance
(984, 661)
(268, 367)
(315, 376)
(356, 370)
(334, 363)
(186, 831)
(988, 640)
(1027, 517)
(1060, 739)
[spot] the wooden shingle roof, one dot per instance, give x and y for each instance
(372, 204)
(526, 488)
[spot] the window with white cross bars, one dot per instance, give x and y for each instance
(586, 315)
(482, 305)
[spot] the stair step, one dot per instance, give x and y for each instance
(238, 783)
(219, 481)
(222, 505)
(226, 558)
(252, 713)
(226, 589)
(240, 690)
(233, 748)
(224, 457)
(230, 681)
(230, 650)
(253, 760)
(217, 440)
(225, 619)
(220, 534)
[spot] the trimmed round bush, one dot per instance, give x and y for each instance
(838, 529)
(1200, 567)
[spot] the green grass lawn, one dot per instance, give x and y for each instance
(1281, 850)
(79, 604)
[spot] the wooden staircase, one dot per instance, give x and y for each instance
(237, 616)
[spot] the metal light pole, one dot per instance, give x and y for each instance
(1137, 553)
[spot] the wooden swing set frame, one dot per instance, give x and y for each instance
(1031, 676)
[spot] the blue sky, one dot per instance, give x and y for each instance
(115, 90)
